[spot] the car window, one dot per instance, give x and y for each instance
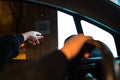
(66, 27)
(99, 34)
(117, 2)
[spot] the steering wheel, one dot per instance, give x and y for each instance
(108, 62)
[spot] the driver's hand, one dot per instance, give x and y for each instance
(73, 46)
(32, 37)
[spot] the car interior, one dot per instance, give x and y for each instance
(58, 21)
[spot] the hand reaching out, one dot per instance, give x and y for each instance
(33, 37)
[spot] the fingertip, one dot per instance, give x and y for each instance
(40, 37)
(38, 34)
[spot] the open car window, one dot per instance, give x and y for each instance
(66, 27)
(117, 2)
(99, 34)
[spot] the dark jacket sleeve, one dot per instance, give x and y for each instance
(9, 46)
(53, 66)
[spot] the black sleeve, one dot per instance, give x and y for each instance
(9, 46)
(53, 66)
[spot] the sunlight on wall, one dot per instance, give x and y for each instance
(21, 56)
(66, 27)
(99, 34)
(22, 53)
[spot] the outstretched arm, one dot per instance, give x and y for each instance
(9, 44)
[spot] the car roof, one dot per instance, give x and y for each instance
(100, 10)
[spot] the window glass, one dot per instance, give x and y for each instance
(116, 2)
(99, 34)
(66, 27)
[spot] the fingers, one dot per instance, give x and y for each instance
(73, 46)
(34, 43)
(83, 37)
(33, 37)
(37, 37)
(40, 37)
(36, 40)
